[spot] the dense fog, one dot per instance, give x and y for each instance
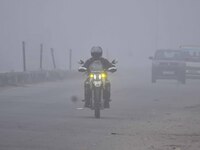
(128, 30)
(133, 106)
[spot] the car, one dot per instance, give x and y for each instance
(191, 55)
(168, 64)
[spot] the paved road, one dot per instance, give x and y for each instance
(143, 116)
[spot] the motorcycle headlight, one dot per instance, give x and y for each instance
(103, 75)
(91, 75)
(100, 76)
(95, 76)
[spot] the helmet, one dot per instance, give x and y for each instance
(96, 51)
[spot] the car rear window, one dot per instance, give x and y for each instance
(192, 55)
(168, 55)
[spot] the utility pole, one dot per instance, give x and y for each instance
(157, 25)
(24, 56)
(70, 59)
(41, 56)
(53, 59)
(107, 54)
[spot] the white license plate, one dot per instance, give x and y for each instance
(193, 71)
(168, 72)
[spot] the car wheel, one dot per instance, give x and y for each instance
(153, 75)
(153, 79)
(181, 77)
(183, 80)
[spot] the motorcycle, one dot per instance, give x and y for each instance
(97, 78)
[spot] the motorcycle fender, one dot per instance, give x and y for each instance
(97, 83)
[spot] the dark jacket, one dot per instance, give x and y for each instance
(106, 64)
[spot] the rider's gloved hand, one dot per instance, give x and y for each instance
(112, 69)
(82, 69)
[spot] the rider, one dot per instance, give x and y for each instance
(96, 53)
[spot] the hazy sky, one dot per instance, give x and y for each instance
(128, 30)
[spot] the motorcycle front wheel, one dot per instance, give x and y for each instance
(97, 102)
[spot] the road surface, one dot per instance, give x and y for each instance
(143, 116)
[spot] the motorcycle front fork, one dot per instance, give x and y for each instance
(88, 92)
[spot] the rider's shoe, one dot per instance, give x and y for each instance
(106, 104)
(87, 103)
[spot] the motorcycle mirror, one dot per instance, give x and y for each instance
(82, 69)
(112, 69)
(81, 62)
(114, 62)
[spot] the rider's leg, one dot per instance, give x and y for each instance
(87, 93)
(106, 94)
